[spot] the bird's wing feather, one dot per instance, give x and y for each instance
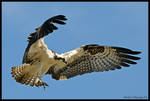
(95, 58)
(46, 28)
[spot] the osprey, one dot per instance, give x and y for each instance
(38, 60)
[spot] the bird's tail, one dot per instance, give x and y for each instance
(25, 75)
(18, 71)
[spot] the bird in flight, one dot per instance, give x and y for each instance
(38, 60)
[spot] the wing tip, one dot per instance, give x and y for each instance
(126, 50)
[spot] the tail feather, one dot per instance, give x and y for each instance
(18, 72)
(24, 75)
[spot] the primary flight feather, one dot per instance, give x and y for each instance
(38, 60)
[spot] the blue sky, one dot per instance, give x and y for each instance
(123, 24)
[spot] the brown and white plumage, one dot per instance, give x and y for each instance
(37, 57)
(46, 28)
(39, 60)
(95, 58)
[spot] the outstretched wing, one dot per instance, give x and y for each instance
(95, 58)
(46, 28)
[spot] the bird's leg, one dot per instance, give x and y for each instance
(40, 83)
(44, 85)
